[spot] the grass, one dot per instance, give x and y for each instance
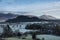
(29, 37)
(21, 38)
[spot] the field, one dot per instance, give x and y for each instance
(46, 37)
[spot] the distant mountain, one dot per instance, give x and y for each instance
(30, 18)
(24, 18)
(47, 17)
(4, 17)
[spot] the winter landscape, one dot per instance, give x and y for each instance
(29, 19)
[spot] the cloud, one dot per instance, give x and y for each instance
(36, 8)
(52, 8)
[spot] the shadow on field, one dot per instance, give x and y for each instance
(2, 39)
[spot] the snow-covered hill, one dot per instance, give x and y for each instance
(47, 17)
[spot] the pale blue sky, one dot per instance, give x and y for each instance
(33, 7)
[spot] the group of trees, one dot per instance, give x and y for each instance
(57, 30)
(33, 26)
(42, 29)
(9, 33)
(47, 28)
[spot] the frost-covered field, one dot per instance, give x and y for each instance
(48, 37)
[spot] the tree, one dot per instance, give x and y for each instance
(7, 31)
(57, 29)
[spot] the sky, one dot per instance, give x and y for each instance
(32, 7)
